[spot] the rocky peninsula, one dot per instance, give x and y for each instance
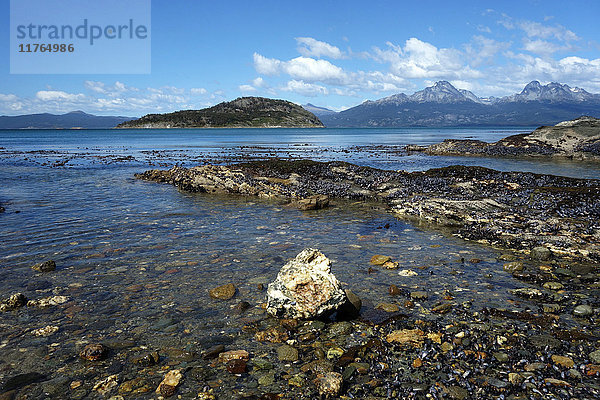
(578, 139)
(512, 210)
(243, 112)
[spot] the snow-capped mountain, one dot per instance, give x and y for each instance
(444, 105)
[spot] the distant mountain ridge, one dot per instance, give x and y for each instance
(444, 105)
(243, 112)
(71, 120)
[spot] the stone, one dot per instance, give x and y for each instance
(316, 202)
(22, 380)
(595, 357)
(233, 355)
(418, 295)
(106, 385)
(45, 331)
(147, 359)
(287, 353)
(213, 352)
(14, 301)
(515, 378)
(388, 307)
(551, 308)
(407, 272)
(46, 266)
(407, 337)
(305, 288)
(329, 384)
(275, 334)
(390, 265)
(556, 382)
(442, 308)
(223, 292)
(553, 286)
(583, 310)
(351, 308)
(541, 253)
(48, 301)
(93, 352)
(563, 361)
(378, 259)
(393, 290)
(514, 266)
(236, 366)
(169, 384)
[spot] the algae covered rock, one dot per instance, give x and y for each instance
(305, 288)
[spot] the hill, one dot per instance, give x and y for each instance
(244, 112)
(72, 120)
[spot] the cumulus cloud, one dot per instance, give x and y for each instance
(310, 47)
(198, 91)
(305, 89)
(247, 88)
(303, 68)
(58, 95)
(419, 59)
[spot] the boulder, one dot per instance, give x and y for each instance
(316, 202)
(305, 288)
(224, 292)
(46, 266)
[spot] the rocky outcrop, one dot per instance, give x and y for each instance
(243, 112)
(576, 139)
(513, 210)
(305, 288)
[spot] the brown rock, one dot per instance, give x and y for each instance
(169, 384)
(224, 292)
(275, 334)
(94, 352)
(394, 290)
(379, 259)
(46, 266)
(329, 384)
(388, 307)
(407, 337)
(563, 361)
(442, 308)
(316, 202)
(234, 355)
(236, 366)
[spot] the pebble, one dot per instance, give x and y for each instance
(406, 337)
(393, 290)
(287, 353)
(169, 384)
(379, 259)
(553, 286)
(563, 361)
(224, 292)
(329, 384)
(419, 295)
(595, 357)
(388, 307)
(583, 310)
(407, 272)
(514, 266)
(93, 352)
(233, 355)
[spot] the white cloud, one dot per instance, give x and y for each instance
(303, 68)
(419, 59)
(310, 47)
(198, 91)
(58, 95)
(542, 47)
(259, 82)
(266, 66)
(305, 89)
(537, 30)
(247, 88)
(483, 50)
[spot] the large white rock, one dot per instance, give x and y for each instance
(305, 288)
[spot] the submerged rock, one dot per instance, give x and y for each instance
(305, 288)
(224, 292)
(169, 384)
(316, 202)
(46, 266)
(93, 352)
(14, 301)
(329, 384)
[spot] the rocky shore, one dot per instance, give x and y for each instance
(513, 210)
(578, 139)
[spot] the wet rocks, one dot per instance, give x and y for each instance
(227, 356)
(595, 357)
(13, 302)
(315, 202)
(106, 385)
(48, 301)
(94, 352)
(45, 331)
(541, 253)
(379, 259)
(46, 266)
(223, 292)
(169, 384)
(563, 361)
(305, 288)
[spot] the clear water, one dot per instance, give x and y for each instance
(133, 256)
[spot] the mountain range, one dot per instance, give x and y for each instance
(72, 120)
(444, 105)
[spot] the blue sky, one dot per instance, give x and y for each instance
(330, 53)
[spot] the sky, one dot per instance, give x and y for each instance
(334, 54)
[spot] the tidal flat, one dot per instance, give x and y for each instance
(136, 261)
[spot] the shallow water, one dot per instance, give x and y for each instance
(137, 259)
